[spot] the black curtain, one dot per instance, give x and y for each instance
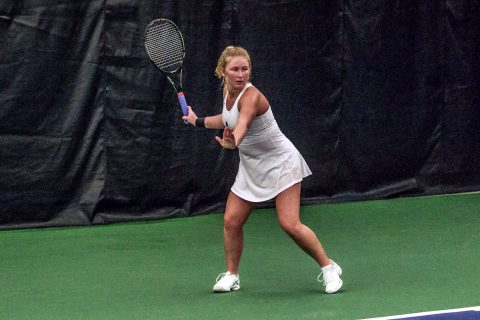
(380, 97)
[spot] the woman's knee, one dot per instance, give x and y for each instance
(290, 227)
(232, 223)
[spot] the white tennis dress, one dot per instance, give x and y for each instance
(269, 162)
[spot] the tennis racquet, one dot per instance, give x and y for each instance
(165, 47)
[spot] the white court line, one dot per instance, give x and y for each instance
(427, 313)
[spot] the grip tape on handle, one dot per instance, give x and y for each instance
(183, 104)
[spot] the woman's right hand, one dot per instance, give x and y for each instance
(191, 117)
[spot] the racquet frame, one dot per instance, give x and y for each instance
(175, 72)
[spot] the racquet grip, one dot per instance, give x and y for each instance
(183, 104)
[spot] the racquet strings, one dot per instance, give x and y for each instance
(164, 44)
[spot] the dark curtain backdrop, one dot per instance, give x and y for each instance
(380, 97)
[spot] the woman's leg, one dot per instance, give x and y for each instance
(236, 214)
(288, 211)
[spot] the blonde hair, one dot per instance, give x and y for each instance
(230, 52)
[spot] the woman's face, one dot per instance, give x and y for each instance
(237, 73)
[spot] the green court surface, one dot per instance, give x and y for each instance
(399, 256)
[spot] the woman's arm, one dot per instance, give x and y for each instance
(214, 122)
(211, 122)
(249, 105)
(248, 111)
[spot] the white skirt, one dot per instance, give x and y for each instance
(268, 167)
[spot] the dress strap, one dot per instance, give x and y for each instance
(248, 85)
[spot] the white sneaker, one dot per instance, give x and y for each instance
(330, 276)
(227, 282)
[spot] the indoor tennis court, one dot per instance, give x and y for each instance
(399, 256)
(152, 152)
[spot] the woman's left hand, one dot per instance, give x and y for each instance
(228, 141)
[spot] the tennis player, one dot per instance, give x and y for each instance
(270, 167)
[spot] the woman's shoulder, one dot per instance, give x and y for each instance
(250, 94)
(252, 91)
(255, 96)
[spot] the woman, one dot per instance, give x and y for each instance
(270, 167)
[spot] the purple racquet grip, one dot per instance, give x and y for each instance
(183, 104)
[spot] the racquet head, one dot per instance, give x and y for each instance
(164, 45)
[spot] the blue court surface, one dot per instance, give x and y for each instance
(472, 313)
